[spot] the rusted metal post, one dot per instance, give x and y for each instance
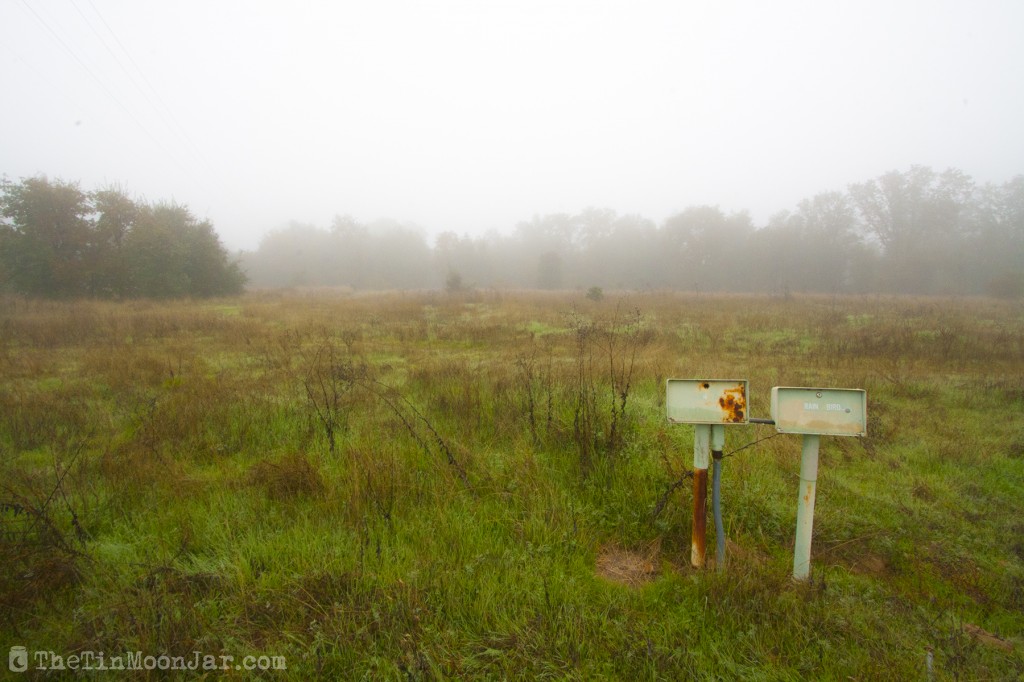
(717, 446)
(805, 508)
(701, 457)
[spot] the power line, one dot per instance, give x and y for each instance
(163, 109)
(101, 84)
(44, 79)
(134, 82)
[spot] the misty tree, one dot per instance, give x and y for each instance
(59, 241)
(776, 256)
(399, 256)
(116, 216)
(549, 270)
(916, 218)
(554, 232)
(591, 227)
(48, 237)
(615, 251)
(446, 255)
(703, 249)
(382, 255)
(540, 249)
(470, 258)
(915, 232)
(453, 283)
(156, 252)
(997, 232)
(171, 253)
(301, 256)
(811, 249)
(349, 252)
(207, 265)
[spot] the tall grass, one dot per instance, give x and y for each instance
(427, 486)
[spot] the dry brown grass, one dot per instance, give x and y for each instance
(632, 568)
(293, 475)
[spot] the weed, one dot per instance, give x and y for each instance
(599, 427)
(42, 535)
(331, 377)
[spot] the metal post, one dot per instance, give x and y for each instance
(701, 457)
(717, 446)
(805, 508)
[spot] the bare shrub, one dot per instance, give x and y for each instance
(332, 375)
(42, 536)
(606, 354)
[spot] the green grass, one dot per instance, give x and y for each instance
(169, 486)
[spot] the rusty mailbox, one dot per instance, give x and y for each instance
(708, 404)
(706, 401)
(820, 411)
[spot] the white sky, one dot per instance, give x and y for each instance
(474, 115)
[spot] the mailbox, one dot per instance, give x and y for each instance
(706, 401)
(820, 411)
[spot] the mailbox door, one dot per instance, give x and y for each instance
(821, 411)
(706, 401)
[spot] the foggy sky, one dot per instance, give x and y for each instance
(470, 116)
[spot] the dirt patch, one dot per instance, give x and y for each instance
(864, 562)
(871, 565)
(629, 567)
(987, 638)
(857, 556)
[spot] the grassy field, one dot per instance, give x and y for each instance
(485, 486)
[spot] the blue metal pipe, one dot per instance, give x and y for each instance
(717, 446)
(716, 506)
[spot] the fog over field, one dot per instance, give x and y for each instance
(519, 340)
(465, 117)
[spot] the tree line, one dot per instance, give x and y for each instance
(59, 241)
(916, 232)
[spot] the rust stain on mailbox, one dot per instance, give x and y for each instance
(706, 401)
(734, 404)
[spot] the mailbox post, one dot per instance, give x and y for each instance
(708, 404)
(701, 458)
(815, 412)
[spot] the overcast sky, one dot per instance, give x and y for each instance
(475, 115)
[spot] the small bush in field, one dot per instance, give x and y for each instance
(453, 283)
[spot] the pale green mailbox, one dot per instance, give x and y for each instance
(706, 401)
(820, 411)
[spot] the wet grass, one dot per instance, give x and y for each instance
(423, 486)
